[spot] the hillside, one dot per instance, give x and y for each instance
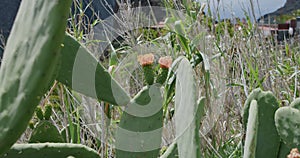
(288, 8)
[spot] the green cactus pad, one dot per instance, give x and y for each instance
(296, 104)
(140, 129)
(44, 132)
(81, 71)
(287, 121)
(50, 150)
(284, 150)
(187, 112)
(29, 64)
(268, 140)
(251, 133)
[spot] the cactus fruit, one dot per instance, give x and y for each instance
(251, 133)
(287, 120)
(187, 112)
(268, 140)
(165, 63)
(140, 129)
(81, 71)
(161, 78)
(44, 132)
(148, 74)
(30, 61)
(146, 61)
(50, 150)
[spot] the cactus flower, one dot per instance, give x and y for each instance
(294, 153)
(165, 62)
(146, 59)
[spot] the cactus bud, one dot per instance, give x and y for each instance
(147, 62)
(31, 125)
(39, 113)
(48, 112)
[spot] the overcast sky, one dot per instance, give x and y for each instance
(228, 8)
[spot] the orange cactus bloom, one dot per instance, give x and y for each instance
(165, 62)
(146, 59)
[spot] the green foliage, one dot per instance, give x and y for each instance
(26, 72)
(70, 135)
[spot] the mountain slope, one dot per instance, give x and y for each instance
(288, 8)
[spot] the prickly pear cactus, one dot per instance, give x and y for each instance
(287, 120)
(268, 140)
(81, 71)
(50, 150)
(187, 112)
(251, 133)
(140, 129)
(29, 63)
(44, 132)
(284, 150)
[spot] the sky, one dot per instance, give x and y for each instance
(235, 8)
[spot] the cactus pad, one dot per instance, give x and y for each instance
(140, 129)
(44, 132)
(29, 64)
(287, 121)
(50, 150)
(268, 140)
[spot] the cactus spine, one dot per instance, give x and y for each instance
(268, 141)
(50, 150)
(26, 72)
